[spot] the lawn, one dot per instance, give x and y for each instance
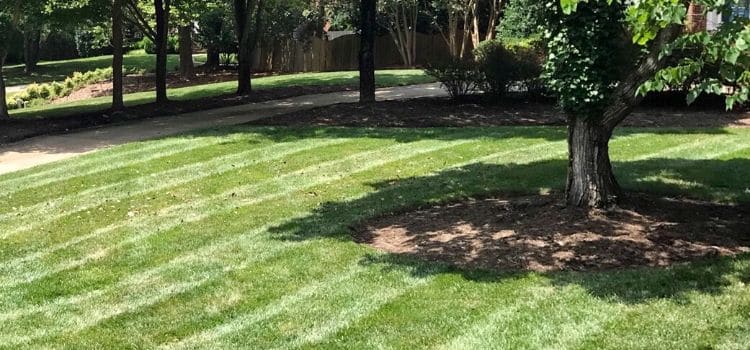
(384, 78)
(59, 70)
(239, 238)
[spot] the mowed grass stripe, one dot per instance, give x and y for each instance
(180, 263)
(45, 212)
(104, 160)
(401, 151)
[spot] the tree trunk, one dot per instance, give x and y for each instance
(162, 27)
(248, 40)
(117, 56)
(591, 182)
(31, 42)
(3, 104)
(213, 58)
(367, 52)
(187, 68)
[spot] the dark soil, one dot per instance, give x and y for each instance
(21, 128)
(538, 234)
(440, 112)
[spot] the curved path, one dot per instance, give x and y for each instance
(46, 149)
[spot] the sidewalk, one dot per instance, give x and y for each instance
(45, 149)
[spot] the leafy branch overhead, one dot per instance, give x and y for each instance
(705, 62)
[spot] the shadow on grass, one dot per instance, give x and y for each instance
(704, 179)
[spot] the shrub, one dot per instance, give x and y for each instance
(32, 91)
(460, 77)
(504, 65)
(147, 45)
(522, 19)
(58, 88)
(45, 91)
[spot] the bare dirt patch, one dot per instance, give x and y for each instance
(536, 233)
(440, 112)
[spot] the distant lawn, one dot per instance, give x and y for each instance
(239, 238)
(384, 78)
(59, 70)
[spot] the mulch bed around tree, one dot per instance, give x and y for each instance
(440, 112)
(538, 234)
(21, 128)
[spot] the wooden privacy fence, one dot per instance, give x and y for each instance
(342, 54)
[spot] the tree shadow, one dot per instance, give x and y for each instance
(719, 180)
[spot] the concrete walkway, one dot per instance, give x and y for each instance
(46, 149)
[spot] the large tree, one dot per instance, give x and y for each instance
(117, 56)
(599, 79)
(368, 28)
(248, 18)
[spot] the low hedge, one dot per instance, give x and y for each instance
(37, 94)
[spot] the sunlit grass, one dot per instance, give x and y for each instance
(239, 237)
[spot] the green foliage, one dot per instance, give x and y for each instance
(39, 94)
(460, 78)
(173, 45)
(507, 63)
(708, 62)
(522, 19)
(583, 52)
(215, 29)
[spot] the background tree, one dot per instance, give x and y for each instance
(521, 19)
(248, 16)
(586, 47)
(367, 51)
(6, 31)
(215, 33)
(399, 17)
(137, 13)
(117, 56)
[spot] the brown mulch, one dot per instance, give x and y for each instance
(440, 112)
(538, 234)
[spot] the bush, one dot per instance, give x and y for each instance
(58, 45)
(173, 45)
(36, 95)
(522, 19)
(460, 77)
(505, 65)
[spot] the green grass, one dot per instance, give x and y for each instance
(238, 238)
(385, 78)
(59, 70)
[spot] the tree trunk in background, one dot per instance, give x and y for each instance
(696, 18)
(213, 58)
(591, 182)
(162, 27)
(367, 52)
(31, 42)
(187, 68)
(3, 106)
(248, 40)
(117, 55)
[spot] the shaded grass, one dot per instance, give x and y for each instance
(257, 254)
(58, 70)
(385, 78)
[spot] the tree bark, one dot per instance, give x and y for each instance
(247, 39)
(162, 27)
(213, 58)
(117, 56)
(591, 182)
(367, 52)
(31, 42)
(3, 104)
(187, 68)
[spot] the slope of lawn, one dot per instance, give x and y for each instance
(239, 238)
(59, 70)
(384, 78)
